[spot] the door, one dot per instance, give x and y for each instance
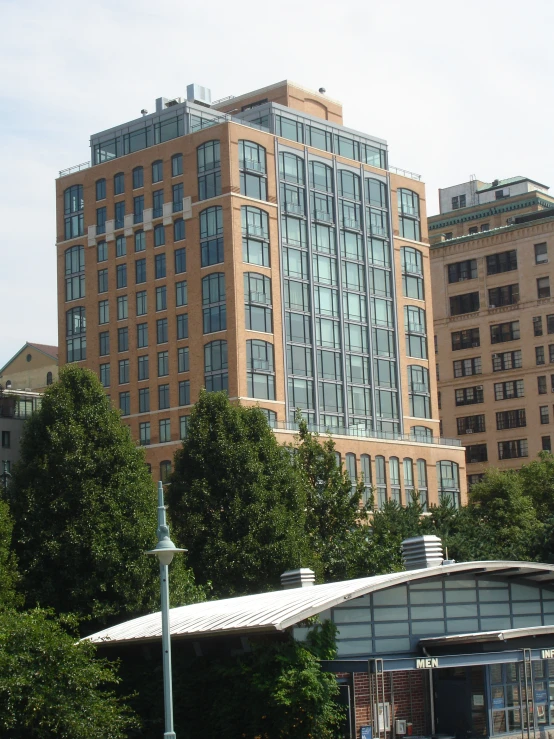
(452, 688)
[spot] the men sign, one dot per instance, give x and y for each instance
(427, 663)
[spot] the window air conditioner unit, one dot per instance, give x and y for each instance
(492, 306)
(469, 431)
(475, 343)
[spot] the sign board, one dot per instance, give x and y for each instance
(427, 663)
(366, 732)
(478, 699)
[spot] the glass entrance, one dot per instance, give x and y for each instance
(518, 699)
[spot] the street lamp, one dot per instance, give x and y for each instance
(165, 550)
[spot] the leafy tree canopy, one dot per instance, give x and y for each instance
(236, 501)
(8, 569)
(84, 508)
(52, 687)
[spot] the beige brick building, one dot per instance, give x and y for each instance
(259, 246)
(491, 252)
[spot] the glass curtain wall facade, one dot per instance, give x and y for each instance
(339, 293)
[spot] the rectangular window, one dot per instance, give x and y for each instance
(465, 339)
(144, 432)
(184, 392)
(157, 203)
(122, 339)
(501, 332)
(100, 189)
(138, 209)
(546, 444)
(183, 359)
(180, 261)
(507, 390)
(105, 375)
(6, 440)
(471, 424)
(140, 271)
(182, 326)
(142, 335)
(122, 308)
(119, 213)
(104, 343)
(504, 262)
(460, 271)
(125, 403)
(161, 330)
(163, 364)
(506, 361)
(163, 397)
(102, 280)
(539, 355)
(543, 287)
(511, 419)
(466, 367)
(120, 246)
(140, 241)
(468, 303)
(505, 295)
(142, 303)
(121, 276)
(512, 449)
(165, 430)
(181, 296)
(469, 395)
(143, 368)
(541, 253)
(476, 453)
(541, 385)
(537, 326)
(544, 414)
(144, 400)
(160, 268)
(176, 165)
(178, 194)
(119, 183)
(161, 298)
(138, 177)
(102, 251)
(123, 371)
(103, 312)
(101, 220)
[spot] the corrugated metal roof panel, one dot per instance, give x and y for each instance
(276, 611)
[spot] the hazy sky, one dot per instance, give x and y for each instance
(456, 88)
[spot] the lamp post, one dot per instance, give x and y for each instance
(165, 550)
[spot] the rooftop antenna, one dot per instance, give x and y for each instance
(322, 91)
(144, 111)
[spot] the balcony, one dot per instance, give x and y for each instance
(252, 165)
(362, 430)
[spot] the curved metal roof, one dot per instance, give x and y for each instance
(278, 610)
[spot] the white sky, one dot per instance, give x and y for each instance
(456, 88)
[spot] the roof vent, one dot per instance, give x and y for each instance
(199, 94)
(495, 183)
(421, 552)
(301, 578)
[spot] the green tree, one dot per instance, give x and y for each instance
(84, 508)
(8, 568)
(537, 479)
(52, 687)
(336, 519)
(235, 500)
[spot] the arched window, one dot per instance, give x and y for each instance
(375, 193)
(209, 170)
(48, 378)
(408, 214)
(101, 189)
(252, 165)
(138, 177)
(159, 235)
(211, 236)
(421, 433)
(255, 235)
(260, 369)
(214, 310)
(271, 417)
(448, 481)
(350, 464)
(416, 332)
(422, 487)
(349, 184)
(257, 302)
(380, 481)
(75, 273)
(118, 183)
(394, 471)
(291, 168)
(365, 463)
(215, 366)
(76, 334)
(157, 171)
(419, 391)
(408, 479)
(321, 177)
(412, 273)
(165, 471)
(73, 211)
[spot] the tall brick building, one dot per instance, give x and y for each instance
(257, 245)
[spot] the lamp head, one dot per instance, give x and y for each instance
(165, 549)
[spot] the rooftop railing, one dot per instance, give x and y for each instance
(75, 168)
(368, 433)
(405, 173)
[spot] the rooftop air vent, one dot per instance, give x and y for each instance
(199, 94)
(421, 552)
(301, 578)
(495, 183)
